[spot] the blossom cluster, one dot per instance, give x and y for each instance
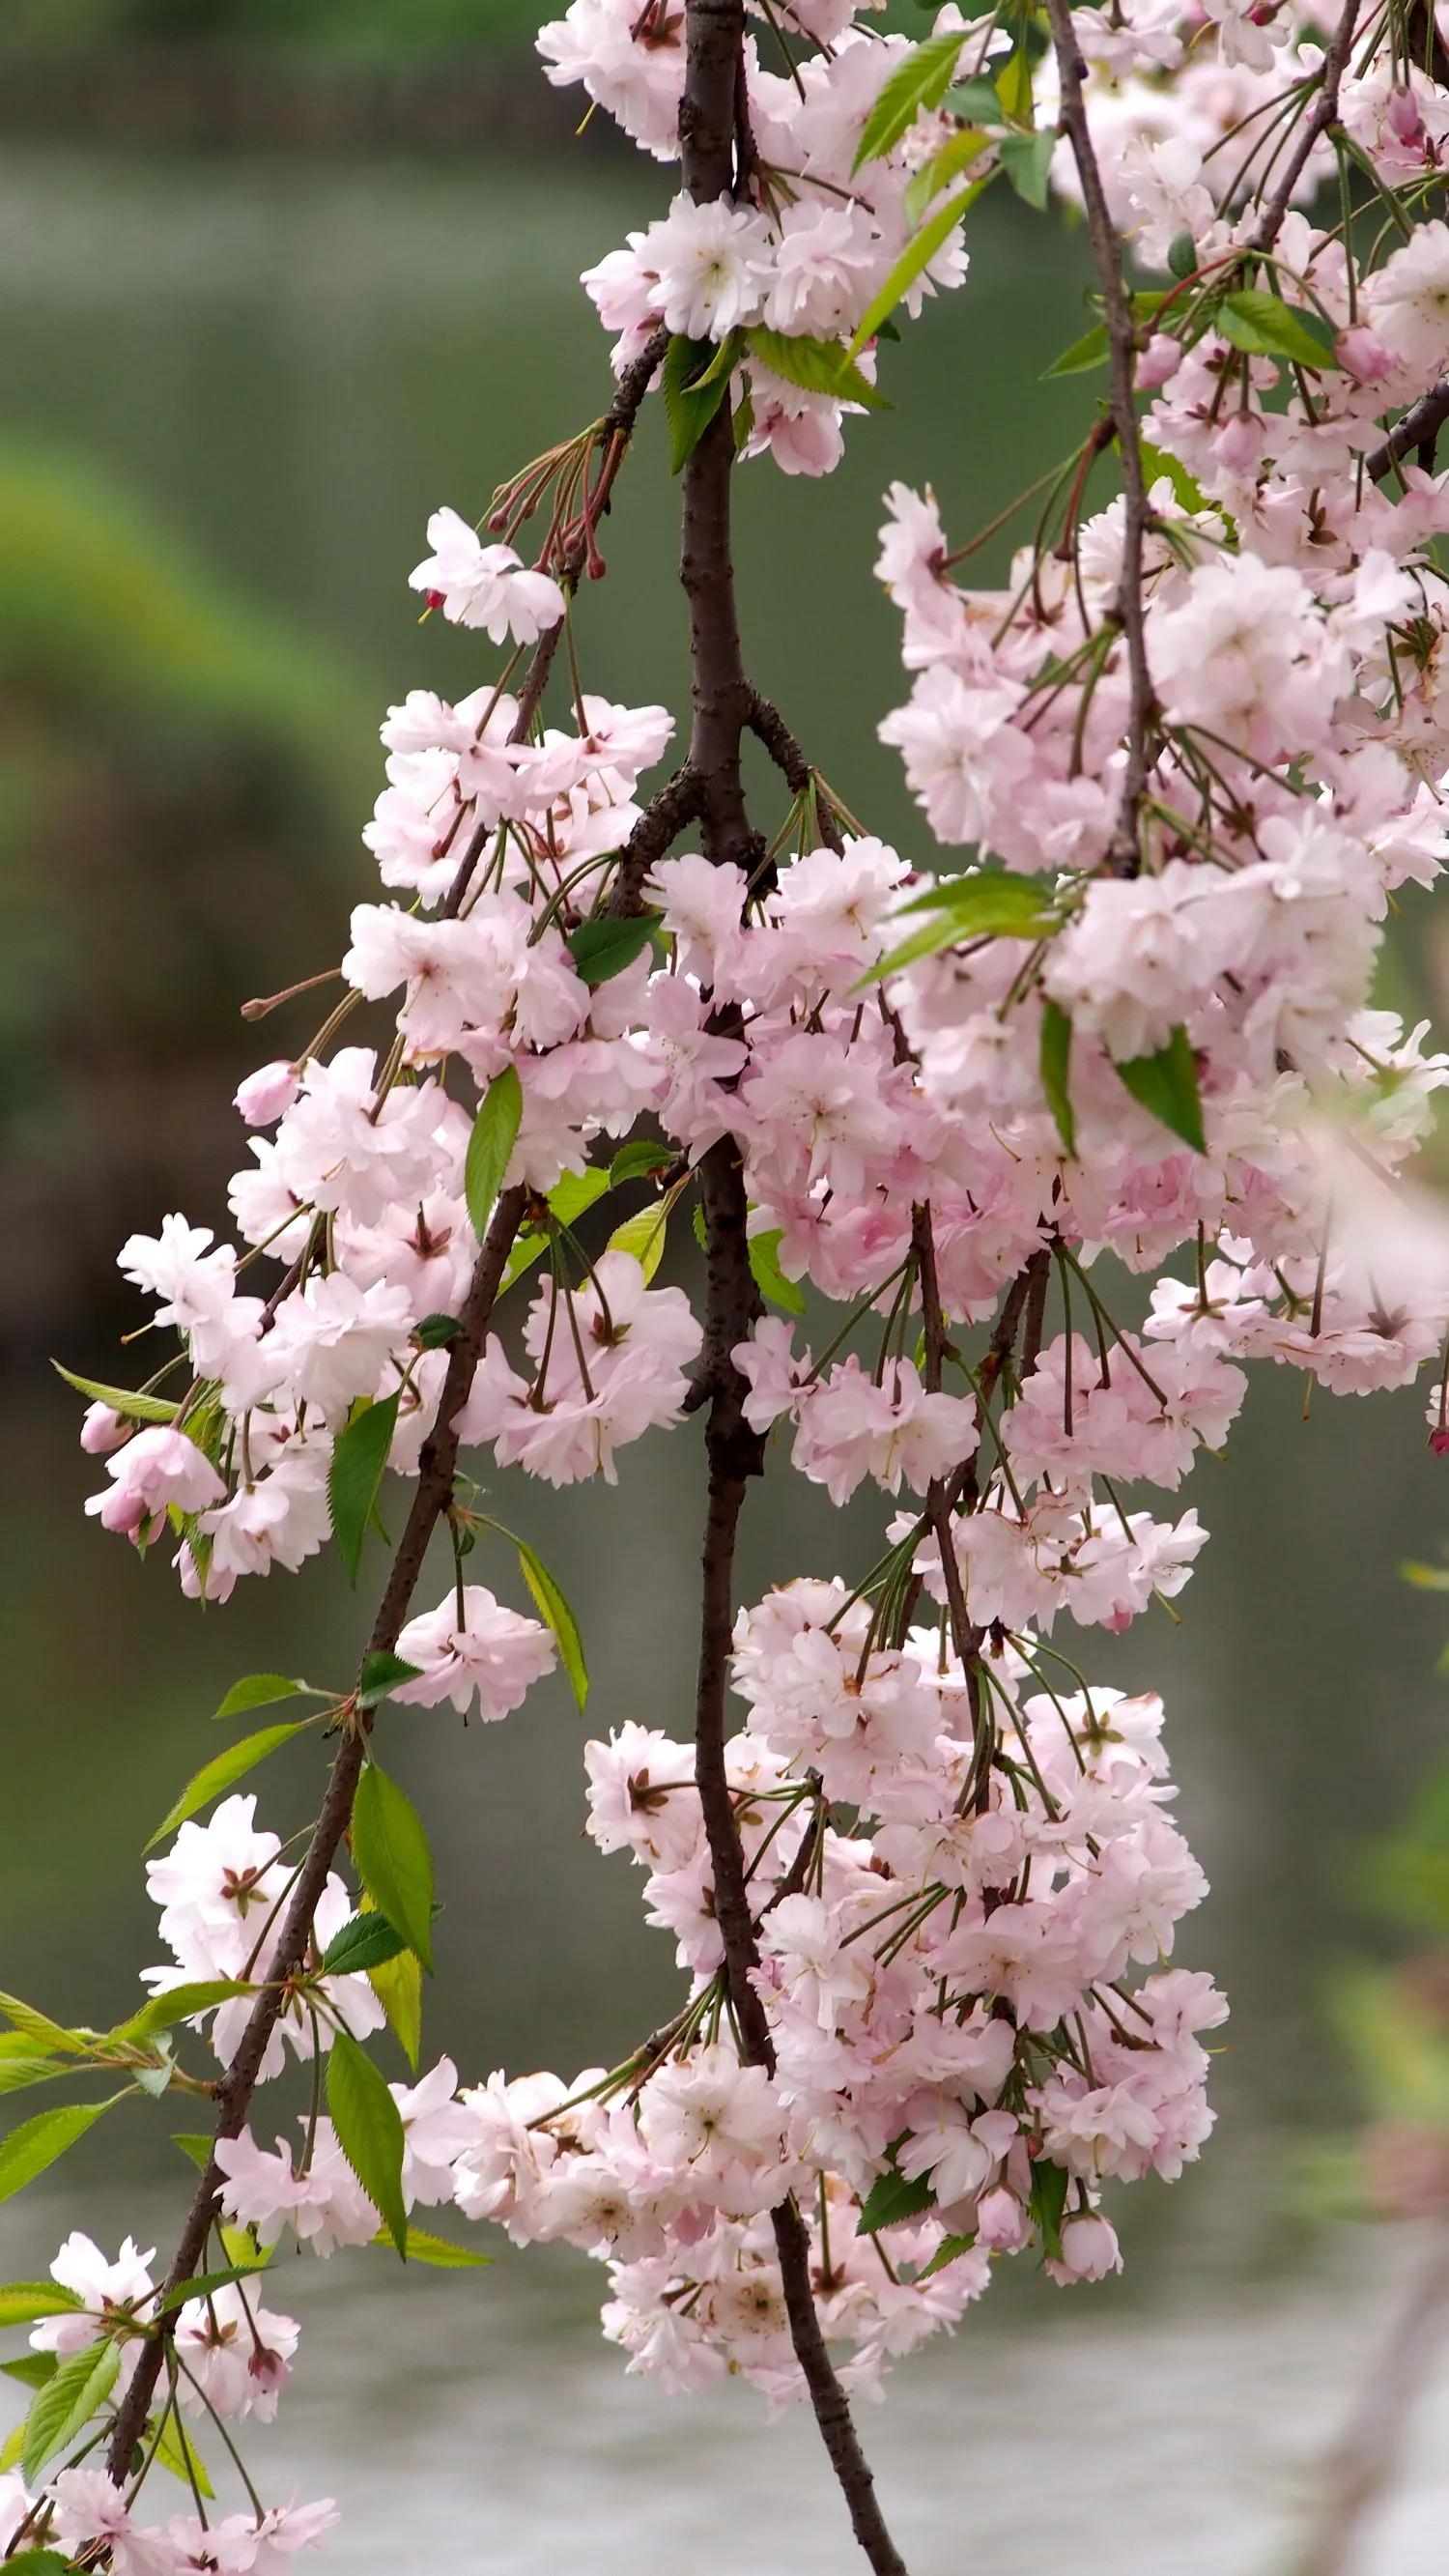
(1130, 1031)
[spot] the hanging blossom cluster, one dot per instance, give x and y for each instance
(1176, 771)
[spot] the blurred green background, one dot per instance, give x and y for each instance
(275, 280)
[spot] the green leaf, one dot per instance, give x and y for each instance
(1182, 255)
(22, 2301)
(42, 2562)
(639, 1160)
(177, 2004)
(390, 1847)
(694, 387)
(39, 2142)
(891, 2198)
(551, 1601)
(1013, 86)
(1165, 1084)
(603, 947)
(19, 2072)
(767, 1274)
(201, 2285)
(195, 2144)
(398, 1986)
(977, 99)
(950, 2250)
(30, 2369)
(435, 1331)
(1027, 161)
(1056, 1058)
(495, 1132)
(260, 1690)
(1048, 2200)
(365, 1941)
(918, 254)
(1156, 463)
(920, 80)
(1424, 1578)
(642, 1236)
(224, 1770)
(177, 2452)
(990, 904)
(358, 1459)
(817, 366)
(568, 1200)
(1090, 351)
(423, 2248)
(382, 1673)
(136, 1408)
(1265, 327)
(369, 2132)
(940, 170)
(41, 2031)
(67, 2402)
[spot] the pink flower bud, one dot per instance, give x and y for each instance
(1089, 2250)
(1363, 355)
(1238, 443)
(102, 1430)
(266, 1093)
(1403, 118)
(1439, 1441)
(1002, 2225)
(1159, 362)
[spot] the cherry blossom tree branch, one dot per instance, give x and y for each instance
(1418, 430)
(235, 2088)
(1124, 855)
(1361, 2464)
(724, 704)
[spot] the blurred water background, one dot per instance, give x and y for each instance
(244, 354)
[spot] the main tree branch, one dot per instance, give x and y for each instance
(714, 151)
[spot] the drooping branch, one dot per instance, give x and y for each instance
(1414, 435)
(715, 154)
(1125, 854)
(237, 2085)
(1323, 117)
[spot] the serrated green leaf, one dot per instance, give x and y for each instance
(977, 99)
(365, 1941)
(1091, 350)
(570, 1198)
(223, 1771)
(1013, 86)
(398, 1986)
(1048, 2201)
(41, 2562)
(195, 2144)
(1165, 1084)
(551, 1601)
(1265, 327)
(355, 1475)
(423, 2248)
(177, 2452)
(642, 1236)
(918, 254)
(495, 1133)
(17, 2074)
(31, 2369)
(65, 2405)
(1027, 161)
(603, 947)
(920, 81)
(1056, 1061)
(381, 1674)
(261, 1690)
(178, 2003)
(816, 366)
(689, 403)
(1156, 463)
(22, 2301)
(202, 2284)
(369, 2131)
(436, 1331)
(40, 2142)
(926, 185)
(950, 2250)
(640, 1159)
(390, 1847)
(29, 2023)
(136, 1408)
(769, 1278)
(893, 2197)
